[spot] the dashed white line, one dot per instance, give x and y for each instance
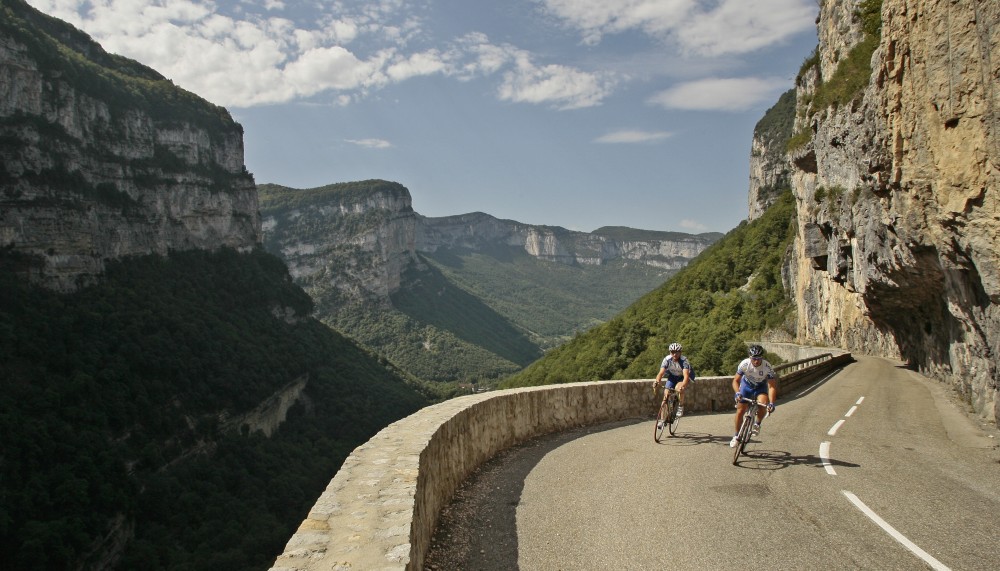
(850, 412)
(833, 430)
(860, 400)
(934, 563)
(824, 455)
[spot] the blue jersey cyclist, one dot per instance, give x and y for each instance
(677, 371)
(755, 379)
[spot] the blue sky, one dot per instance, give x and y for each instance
(572, 113)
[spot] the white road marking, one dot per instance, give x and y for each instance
(860, 400)
(824, 455)
(833, 430)
(850, 412)
(934, 563)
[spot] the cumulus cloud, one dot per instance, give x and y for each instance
(633, 136)
(370, 143)
(693, 225)
(257, 54)
(720, 94)
(424, 63)
(560, 86)
(699, 27)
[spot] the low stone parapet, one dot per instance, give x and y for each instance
(380, 509)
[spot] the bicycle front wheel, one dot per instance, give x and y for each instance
(661, 421)
(673, 419)
(743, 436)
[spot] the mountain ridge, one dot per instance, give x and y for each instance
(361, 251)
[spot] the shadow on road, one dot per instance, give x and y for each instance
(692, 439)
(778, 459)
(478, 529)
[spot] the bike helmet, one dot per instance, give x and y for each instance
(756, 351)
(674, 347)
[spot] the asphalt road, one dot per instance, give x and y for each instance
(875, 467)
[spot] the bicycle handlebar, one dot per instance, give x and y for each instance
(755, 403)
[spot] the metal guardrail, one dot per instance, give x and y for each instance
(802, 363)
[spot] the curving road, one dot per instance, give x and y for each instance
(875, 467)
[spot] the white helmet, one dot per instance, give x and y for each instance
(674, 347)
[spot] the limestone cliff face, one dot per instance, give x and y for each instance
(898, 251)
(104, 158)
(770, 168)
(359, 238)
(477, 231)
(357, 241)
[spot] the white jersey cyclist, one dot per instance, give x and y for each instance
(674, 370)
(672, 375)
(753, 378)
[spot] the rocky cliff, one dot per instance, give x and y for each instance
(895, 145)
(478, 231)
(101, 157)
(770, 170)
(362, 236)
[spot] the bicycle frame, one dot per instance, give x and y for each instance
(666, 415)
(749, 417)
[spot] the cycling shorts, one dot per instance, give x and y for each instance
(751, 392)
(671, 381)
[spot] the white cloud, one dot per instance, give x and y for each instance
(424, 63)
(704, 27)
(633, 136)
(693, 225)
(370, 143)
(265, 52)
(245, 59)
(715, 94)
(561, 86)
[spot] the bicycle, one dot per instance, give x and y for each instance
(666, 415)
(744, 433)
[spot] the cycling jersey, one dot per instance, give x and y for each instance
(675, 369)
(755, 377)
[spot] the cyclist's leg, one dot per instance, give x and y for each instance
(762, 409)
(667, 386)
(740, 409)
(676, 383)
(746, 391)
(671, 383)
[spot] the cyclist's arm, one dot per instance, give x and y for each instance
(736, 381)
(659, 376)
(772, 389)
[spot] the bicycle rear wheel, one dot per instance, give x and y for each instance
(672, 417)
(661, 423)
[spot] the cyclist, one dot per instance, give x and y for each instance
(676, 368)
(754, 379)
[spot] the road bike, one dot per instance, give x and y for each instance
(666, 415)
(746, 426)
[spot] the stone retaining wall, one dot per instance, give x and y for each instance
(380, 509)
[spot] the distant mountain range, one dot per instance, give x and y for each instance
(465, 298)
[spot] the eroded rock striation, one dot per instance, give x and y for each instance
(898, 251)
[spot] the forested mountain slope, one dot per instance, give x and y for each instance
(183, 413)
(166, 400)
(731, 292)
(466, 298)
